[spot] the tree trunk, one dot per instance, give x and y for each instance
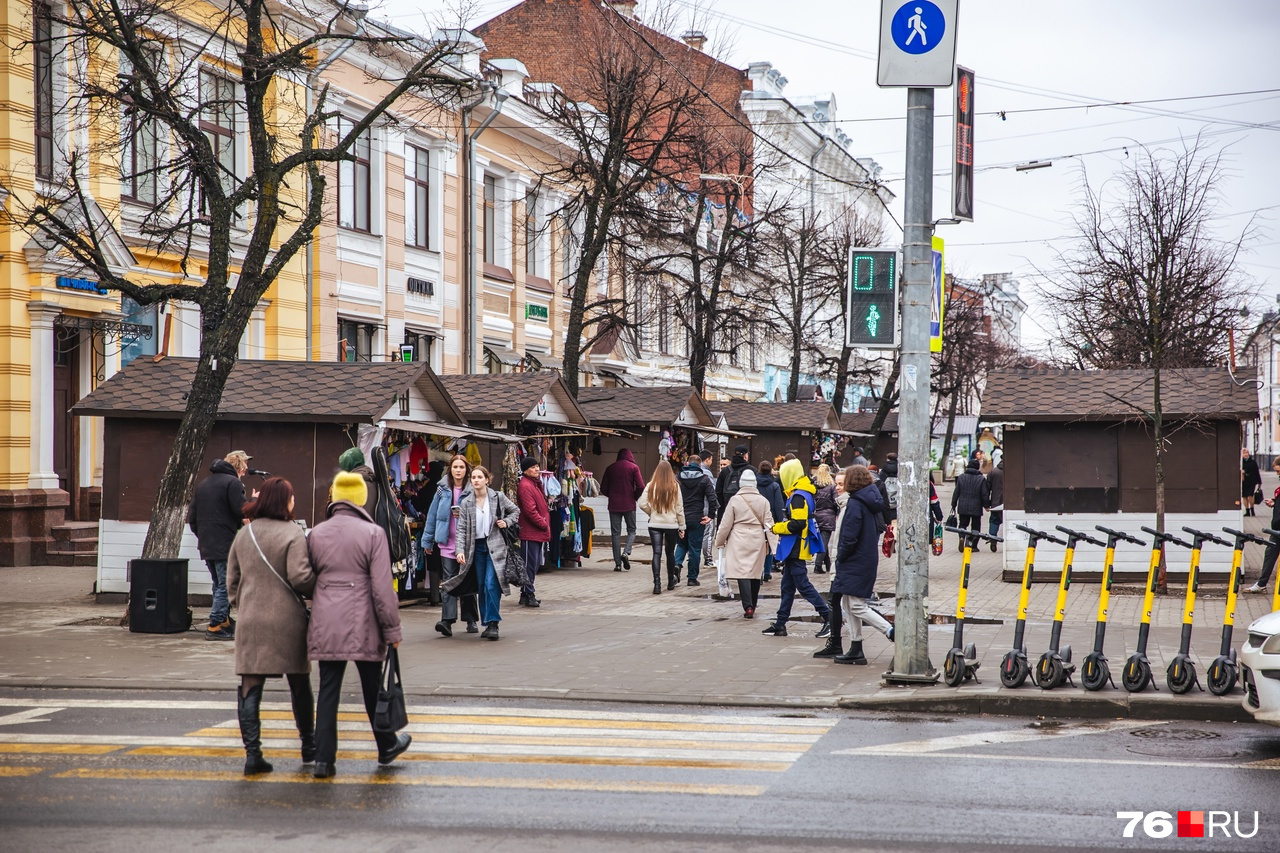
(842, 378)
(946, 439)
(1162, 574)
(886, 403)
(793, 382)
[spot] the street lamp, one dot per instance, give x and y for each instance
(1034, 164)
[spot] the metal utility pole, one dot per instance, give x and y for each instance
(911, 663)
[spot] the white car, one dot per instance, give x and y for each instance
(1260, 669)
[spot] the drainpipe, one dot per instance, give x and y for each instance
(813, 167)
(472, 301)
(358, 13)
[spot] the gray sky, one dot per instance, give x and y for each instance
(1030, 56)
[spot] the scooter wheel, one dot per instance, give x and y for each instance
(1221, 676)
(1181, 674)
(1049, 672)
(1137, 674)
(1095, 673)
(953, 668)
(1014, 670)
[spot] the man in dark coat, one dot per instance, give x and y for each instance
(727, 482)
(535, 525)
(771, 490)
(970, 496)
(622, 484)
(215, 516)
(699, 500)
(995, 500)
(857, 560)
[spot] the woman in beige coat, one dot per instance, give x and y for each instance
(742, 535)
(268, 571)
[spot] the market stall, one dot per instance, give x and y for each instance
(810, 430)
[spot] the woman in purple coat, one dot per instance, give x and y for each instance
(354, 615)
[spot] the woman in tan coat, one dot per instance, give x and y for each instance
(268, 571)
(742, 535)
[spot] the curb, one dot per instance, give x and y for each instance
(915, 700)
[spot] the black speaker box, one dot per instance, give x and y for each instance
(158, 597)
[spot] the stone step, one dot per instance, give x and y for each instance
(72, 531)
(74, 546)
(55, 557)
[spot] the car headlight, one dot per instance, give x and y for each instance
(1272, 645)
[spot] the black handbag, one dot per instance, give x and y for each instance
(513, 571)
(390, 714)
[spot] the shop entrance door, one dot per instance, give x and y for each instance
(66, 432)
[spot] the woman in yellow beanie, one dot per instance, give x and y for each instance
(354, 614)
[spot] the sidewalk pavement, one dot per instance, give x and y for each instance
(603, 636)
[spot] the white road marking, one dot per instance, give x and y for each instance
(21, 718)
(1050, 759)
(1019, 735)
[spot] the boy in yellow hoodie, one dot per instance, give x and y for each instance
(799, 541)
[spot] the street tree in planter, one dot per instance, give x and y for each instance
(143, 76)
(1148, 282)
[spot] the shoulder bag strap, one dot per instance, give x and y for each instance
(278, 576)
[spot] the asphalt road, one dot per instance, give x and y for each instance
(128, 771)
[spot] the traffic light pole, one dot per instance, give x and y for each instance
(911, 663)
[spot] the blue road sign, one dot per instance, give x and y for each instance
(918, 26)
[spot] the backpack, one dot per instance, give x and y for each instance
(386, 510)
(892, 489)
(731, 484)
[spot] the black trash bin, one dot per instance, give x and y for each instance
(158, 597)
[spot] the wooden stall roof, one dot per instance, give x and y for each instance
(816, 415)
(1112, 395)
(510, 396)
(299, 391)
(860, 423)
(660, 405)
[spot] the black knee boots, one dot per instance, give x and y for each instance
(855, 654)
(304, 715)
(251, 730)
(657, 580)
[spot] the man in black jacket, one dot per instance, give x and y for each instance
(995, 499)
(700, 505)
(971, 495)
(727, 482)
(216, 515)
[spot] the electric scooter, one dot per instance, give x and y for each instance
(1137, 669)
(1094, 672)
(1181, 672)
(1054, 668)
(1221, 674)
(1014, 668)
(962, 661)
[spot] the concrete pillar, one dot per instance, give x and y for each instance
(43, 315)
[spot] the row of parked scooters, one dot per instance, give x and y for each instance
(1054, 668)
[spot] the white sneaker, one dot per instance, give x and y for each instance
(1255, 588)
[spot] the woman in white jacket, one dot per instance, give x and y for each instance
(661, 502)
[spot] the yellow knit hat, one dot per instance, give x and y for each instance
(350, 487)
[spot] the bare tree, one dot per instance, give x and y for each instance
(144, 74)
(802, 289)
(1147, 282)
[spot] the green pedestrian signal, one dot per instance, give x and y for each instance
(872, 299)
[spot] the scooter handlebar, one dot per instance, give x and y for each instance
(976, 534)
(1120, 534)
(1207, 536)
(1163, 537)
(1247, 537)
(1270, 532)
(1039, 534)
(1077, 534)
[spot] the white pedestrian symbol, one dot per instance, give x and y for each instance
(917, 27)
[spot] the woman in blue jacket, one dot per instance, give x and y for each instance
(441, 530)
(857, 559)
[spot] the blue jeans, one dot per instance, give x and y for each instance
(221, 608)
(487, 580)
(691, 544)
(795, 578)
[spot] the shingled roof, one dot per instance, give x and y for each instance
(310, 391)
(661, 405)
(510, 396)
(762, 417)
(863, 421)
(1065, 395)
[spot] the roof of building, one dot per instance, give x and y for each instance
(1066, 395)
(510, 396)
(308, 391)
(763, 417)
(640, 405)
(862, 422)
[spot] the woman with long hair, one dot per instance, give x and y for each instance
(661, 502)
(481, 547)
(857, 560)
(268, 572)
(441, 531)
(825, 511)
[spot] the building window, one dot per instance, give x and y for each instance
(143, 315)
(218, 122)
(356, 340)
(753, 346)
(417, 195)
(355, 190)
(490, 217)
(664, 322)
(42, 44)
(139, 143)
(492, 364)
(421, 344)
(531, 234)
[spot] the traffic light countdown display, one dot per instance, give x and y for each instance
(872, 299)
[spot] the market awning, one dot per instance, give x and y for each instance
(732, 433)
(454, 430)
(509, 357)
(846, 432)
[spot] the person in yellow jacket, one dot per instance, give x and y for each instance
(799, 541)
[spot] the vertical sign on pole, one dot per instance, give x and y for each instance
(962, 162)
(938, 297)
